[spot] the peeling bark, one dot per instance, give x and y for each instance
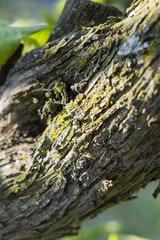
(79, 125)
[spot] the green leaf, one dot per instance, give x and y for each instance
(10, 38)
(40, 37)
(49, 17)
(36, 39)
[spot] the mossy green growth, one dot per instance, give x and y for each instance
(56, 98)
(61, 128)
(60, 91)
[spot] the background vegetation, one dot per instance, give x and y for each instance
(134, 220)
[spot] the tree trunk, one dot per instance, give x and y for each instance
(79, 123)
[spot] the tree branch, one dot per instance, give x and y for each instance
(79, 13)
(79, 125)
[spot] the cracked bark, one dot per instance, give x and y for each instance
(97, 149)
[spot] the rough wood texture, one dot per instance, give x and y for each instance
(79, 125)
(82, 13)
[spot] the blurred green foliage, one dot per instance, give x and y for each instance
(11, 37)
(49, 13)
(135, 220)
(51, 16)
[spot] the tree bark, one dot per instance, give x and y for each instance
(79, 124)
